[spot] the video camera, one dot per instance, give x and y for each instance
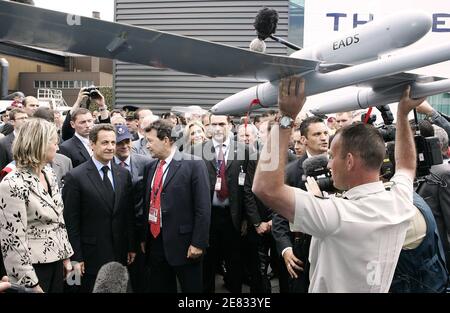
(316, 167)
(387, 131)
(428, 153)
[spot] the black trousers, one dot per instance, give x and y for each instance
(301, 251)
(224, 240)
(139, 272)
(256, 251)
(51, 276)
(163, 276)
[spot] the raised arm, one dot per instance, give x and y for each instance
(405, 149)
(269, 184)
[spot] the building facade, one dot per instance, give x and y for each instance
(226, 22)
(31, 69)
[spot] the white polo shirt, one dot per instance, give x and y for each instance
(356, 241)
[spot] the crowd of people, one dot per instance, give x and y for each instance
(181, 198)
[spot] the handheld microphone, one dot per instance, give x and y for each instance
(111, 278)
(315, 166)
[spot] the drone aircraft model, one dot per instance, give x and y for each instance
(349, 60)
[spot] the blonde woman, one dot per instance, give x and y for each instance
(33, 237)
(194, 133)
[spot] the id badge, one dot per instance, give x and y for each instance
(241, 179)
(153, 215)
(218, 185)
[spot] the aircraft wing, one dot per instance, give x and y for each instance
(28, 25)
(398, 79)
(383, 82)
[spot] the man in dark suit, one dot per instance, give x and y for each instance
(16, 117)
(98, 209)
(77, 148)
(294, 246)
(61, 165)
(135, 164)
(226, 161)
(259, 240)
(178, 211)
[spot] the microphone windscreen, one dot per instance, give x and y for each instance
(314, 164)
(266, 23)
(111, 278)
(258, 45)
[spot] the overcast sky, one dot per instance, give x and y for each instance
(80, 7)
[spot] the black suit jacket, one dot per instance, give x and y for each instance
(257, 211)
(97, 232)
(74, 149)
(6, 150)
(185, 207)
(238, 156)
(280, 226)
(138, 163)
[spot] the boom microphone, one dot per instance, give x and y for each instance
(266, 23)
(112, 278)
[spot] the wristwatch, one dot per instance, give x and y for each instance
(286, 122)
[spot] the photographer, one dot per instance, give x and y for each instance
(356, 239)
(86, 95)
(436, 193)
(421, 264)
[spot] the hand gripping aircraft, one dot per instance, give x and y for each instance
(351, 60)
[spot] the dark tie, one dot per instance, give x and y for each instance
(222, 194)
(155, 199)
(122, 164)
(108, 186)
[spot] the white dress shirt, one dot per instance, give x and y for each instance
(99, 167)
(356, 240)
